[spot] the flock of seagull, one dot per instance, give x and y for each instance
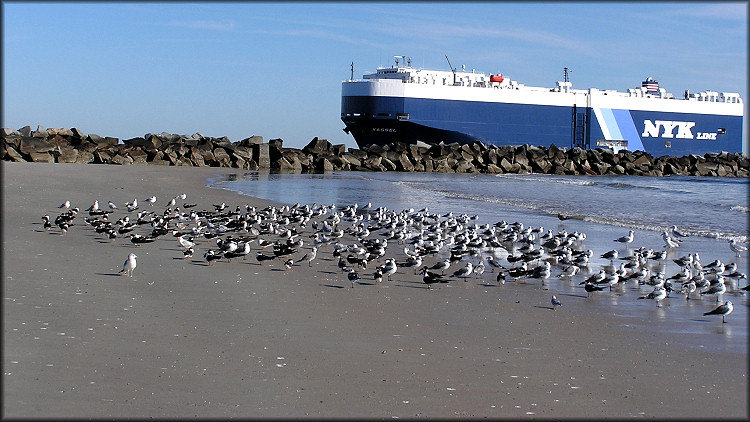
(458, 246)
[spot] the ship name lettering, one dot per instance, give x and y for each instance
(706, 135)
(383, 129)
(652, 129)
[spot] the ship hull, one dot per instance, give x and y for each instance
(374, 113)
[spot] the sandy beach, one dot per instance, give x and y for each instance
(238, 339)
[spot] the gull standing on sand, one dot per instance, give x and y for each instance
(129, 266)
(626, 239)
(112, 205)
(151, 200)
(94, 207)
(658, 294)
(555, 303)
(722, 310)
(668, 241)
(310, 256)
(65, 205)
(611, 255)
(736, 247)
(717, 289)
(132, 206)
(465, 271)
(676, 233)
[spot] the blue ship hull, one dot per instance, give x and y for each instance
(382, 120)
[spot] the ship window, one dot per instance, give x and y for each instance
(383, 114)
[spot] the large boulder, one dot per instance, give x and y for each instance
(317, 147)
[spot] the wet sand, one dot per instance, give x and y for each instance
(237, 339)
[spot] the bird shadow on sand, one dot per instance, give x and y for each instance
(420, 287)
(365, 283)
(572, 295)
(333, 286)
(110, 274)
(544, 307)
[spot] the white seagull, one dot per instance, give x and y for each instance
(151, 200)
(658, 294)
(129, 265)
(736, 247)
(626, 239)
(65, 205)
(555, 302)
(94, 206)
(722, 310)
(112, 205)
(668, 241)
(676, 233)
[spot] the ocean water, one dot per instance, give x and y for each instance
(709, 210)
(700, 206)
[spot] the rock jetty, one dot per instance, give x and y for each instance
(320, 156)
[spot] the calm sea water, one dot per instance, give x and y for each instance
(710, 210)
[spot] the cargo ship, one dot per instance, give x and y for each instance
(401, 103)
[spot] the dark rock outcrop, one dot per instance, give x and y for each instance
(319, 155)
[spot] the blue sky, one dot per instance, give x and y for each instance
(275, 69)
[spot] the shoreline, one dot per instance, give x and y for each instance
(183, 339)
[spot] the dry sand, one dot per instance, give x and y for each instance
(183, 339)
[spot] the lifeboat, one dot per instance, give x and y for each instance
(496, 78)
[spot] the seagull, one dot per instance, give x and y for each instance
(626, 239)
(132, 206)
(611, 255)
(569, 271)
(151, 200)
(677, 234)
(186, 244)
(668, 241)
(129, 266)
(172, 202)
(442, 266)
(658, 294)
(65, 205)
(736, 247)
(310, 256)
(94, 206)
(389, 268)
(465, 271)
(112, 205)
(479, 269)
(722, 310)
(716, 289)
(597, 278)
(289, 263)
(555, 303)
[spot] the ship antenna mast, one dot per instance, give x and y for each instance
(352, 77)
(453, 69)
(565, 74)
